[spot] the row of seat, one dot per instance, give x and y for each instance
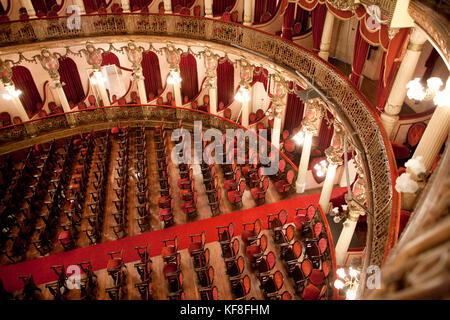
(142, 192)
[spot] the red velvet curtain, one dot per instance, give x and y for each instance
(225, 82)
(317, 21)
(294, 112)
(263, 6)
(43, 6)
(430, 63)
(94, 5)
(325, 133)
(359, 57)
(151, 72)
(73, 88)
(139, 3)
(109, 58)
(30, 97)
(390, 64)
(288, 21)
(220, 6)
(183, 3)
(188, 72)
(302, 18)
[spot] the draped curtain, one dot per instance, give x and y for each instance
(151, 72)
(225, 82)
(288, 21)
(294, 112)
(325, 133)
(390, 65)
(109, 58)
(183, 3)
(73, 88)
(263, 6)
(94, 5)
(30, 97)
(188, 72)
(220, 6)
(359, 57)
(2, 10)
(43, 6)
(302, 18)
(260, 75)
(317, 21)
(140, 3)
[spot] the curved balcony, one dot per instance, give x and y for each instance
(358, 116)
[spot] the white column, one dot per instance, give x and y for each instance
(245, 113)
(80, 3)
(304, 163)
(248, 12)
(28, 5)
(19, 107)
(326, 36)
(276, 132)
(101, 88)
(343, 243)
(208, 8)
(434, 136)
(404, 75)
(141, 90)
(126, 5)
(64, 103)
(212, 100)
(168, 6)
(327, 187)
(177, 94)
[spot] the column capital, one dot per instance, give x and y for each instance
(50, 63)
(336, 150)
(313, 113)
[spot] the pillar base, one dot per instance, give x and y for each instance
(300, 187)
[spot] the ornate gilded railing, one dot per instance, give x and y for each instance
(354, 110)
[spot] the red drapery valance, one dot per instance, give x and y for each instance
(94, 5)
(109, 58)
(139, 4)
(43, 6)
(30, 97)
(188, 72)
(69, 75)
(326, 132)
(262, 7)
(151, 73)
(225, 82)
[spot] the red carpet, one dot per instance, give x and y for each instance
(98, 254)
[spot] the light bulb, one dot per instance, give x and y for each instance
(323, 163)
(341, 273)
(338, 284)
(7, 96)
(353, 272)
(415, 90)
(434, 83)
(350, 295)
(320, 173)
(442, 98)
(317, 167)
(299, 138)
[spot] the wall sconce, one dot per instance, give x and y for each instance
(12, 93)
(321, 168)
(299, 138)
(243, 95)
(174, 78)
(417, 92)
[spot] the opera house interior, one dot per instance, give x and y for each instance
(224, 150)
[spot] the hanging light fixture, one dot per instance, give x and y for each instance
(417, 92)
(348, 281)
(321, 168)
(299, 138)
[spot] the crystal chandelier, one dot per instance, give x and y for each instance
(417, 92)
(348, 282)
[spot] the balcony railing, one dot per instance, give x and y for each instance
(351, 106)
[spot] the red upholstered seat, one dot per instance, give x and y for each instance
(169, 268)
(326, 268)
(64, 237)
(114, 264)
(289, 146)
(115, 130)
(230, 185)
(167, 251)
(257, 193)
(251, 251)
(311, 292)
(246, 234)
(193, 246)
(234, 196)
(299, 220)
(316, 277)
(400, 151)
(165, 214)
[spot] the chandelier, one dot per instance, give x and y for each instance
(348, 282)
(243, 95)
(417, 92)
(12, 93)
(174, 78)
(321, 168)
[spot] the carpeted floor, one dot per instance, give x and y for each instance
(98, 254)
